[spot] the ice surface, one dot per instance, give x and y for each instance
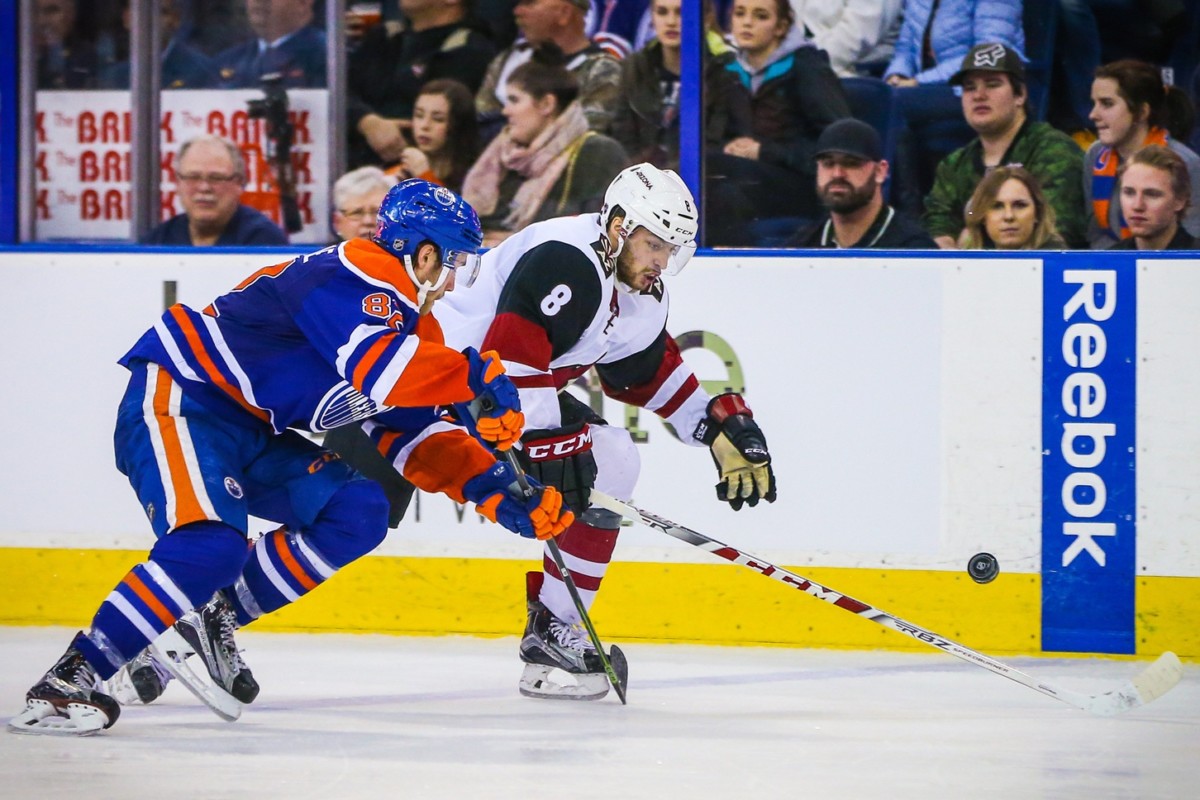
(388, 717)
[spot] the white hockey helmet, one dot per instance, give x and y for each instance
(659, 201)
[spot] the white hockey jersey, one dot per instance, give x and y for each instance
(548, 301)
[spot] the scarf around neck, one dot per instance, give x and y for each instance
(1104, 184)
(540, 164)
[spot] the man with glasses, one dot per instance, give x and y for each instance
(209, 176)
(207, 435)
(357, 196)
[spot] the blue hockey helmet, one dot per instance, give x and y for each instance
(414, 212)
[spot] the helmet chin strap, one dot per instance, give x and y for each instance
(425, 287)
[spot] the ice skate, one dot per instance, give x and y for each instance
(551, 645)
(207, 633)
(67, 701)
(142, 680)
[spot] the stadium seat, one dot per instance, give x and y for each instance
(871, 101)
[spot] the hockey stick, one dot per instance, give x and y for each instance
(468, 413)
(1149, 684)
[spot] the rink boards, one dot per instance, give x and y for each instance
(919, 410)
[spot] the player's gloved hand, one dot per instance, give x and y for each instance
(739, 450)
(562, 458)
(497, 495)
(496, 407)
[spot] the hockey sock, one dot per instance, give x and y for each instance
(184, 569)
(285, 564)
(586, 551)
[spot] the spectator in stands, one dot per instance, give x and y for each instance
(647, 118)
(393, 62)
(562, 23)
(66, 56)
(851, 171)
(546, 162)
(994, 105)
(1008, 211)
(859, 35)
(286, 42)
(357, 196)
(620, 26)
(183, 66)
(794, 95)
(934, 38)
(210, 174)
(445, 136)
(1131, 108)
(1156, 192)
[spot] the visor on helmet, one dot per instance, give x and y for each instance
(465, 265)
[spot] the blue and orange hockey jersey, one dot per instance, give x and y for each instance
(328, 339)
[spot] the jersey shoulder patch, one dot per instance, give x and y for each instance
(557, 287)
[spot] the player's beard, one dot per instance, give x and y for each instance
(858, 196)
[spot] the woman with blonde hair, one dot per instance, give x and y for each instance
(1008, 211)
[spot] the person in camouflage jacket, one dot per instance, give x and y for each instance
(993, 102)
(596, 69)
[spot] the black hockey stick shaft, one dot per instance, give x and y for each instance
(572, 589)
(1147, 685)
(468, 413)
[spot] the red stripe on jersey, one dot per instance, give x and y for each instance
(196, 344)
(644, 393)
(519, 340)
(533, 381)
(672, 405)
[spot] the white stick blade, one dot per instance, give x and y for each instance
(1159, 678)
(1148, 685)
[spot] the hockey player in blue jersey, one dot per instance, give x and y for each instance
(205, 435)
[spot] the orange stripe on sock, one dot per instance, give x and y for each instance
(210, 368)
(142, 591)
(279, 538)
(187, 505)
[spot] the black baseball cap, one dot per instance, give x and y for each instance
(991, 57)
(850, 136)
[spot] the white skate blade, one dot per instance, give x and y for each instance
(172, 650)
(535, 682)
(43, 717)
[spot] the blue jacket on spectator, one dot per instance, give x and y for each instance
(300, 57)
(247, 226)
(183, 67)
(959, 25)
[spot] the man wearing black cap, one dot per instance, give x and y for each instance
(994, 96)
(851, 171)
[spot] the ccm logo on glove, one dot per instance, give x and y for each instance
(549, 449)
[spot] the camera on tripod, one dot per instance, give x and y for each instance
(272, 108)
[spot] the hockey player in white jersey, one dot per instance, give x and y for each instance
(554, 300)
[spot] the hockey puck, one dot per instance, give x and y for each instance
(983, 568)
